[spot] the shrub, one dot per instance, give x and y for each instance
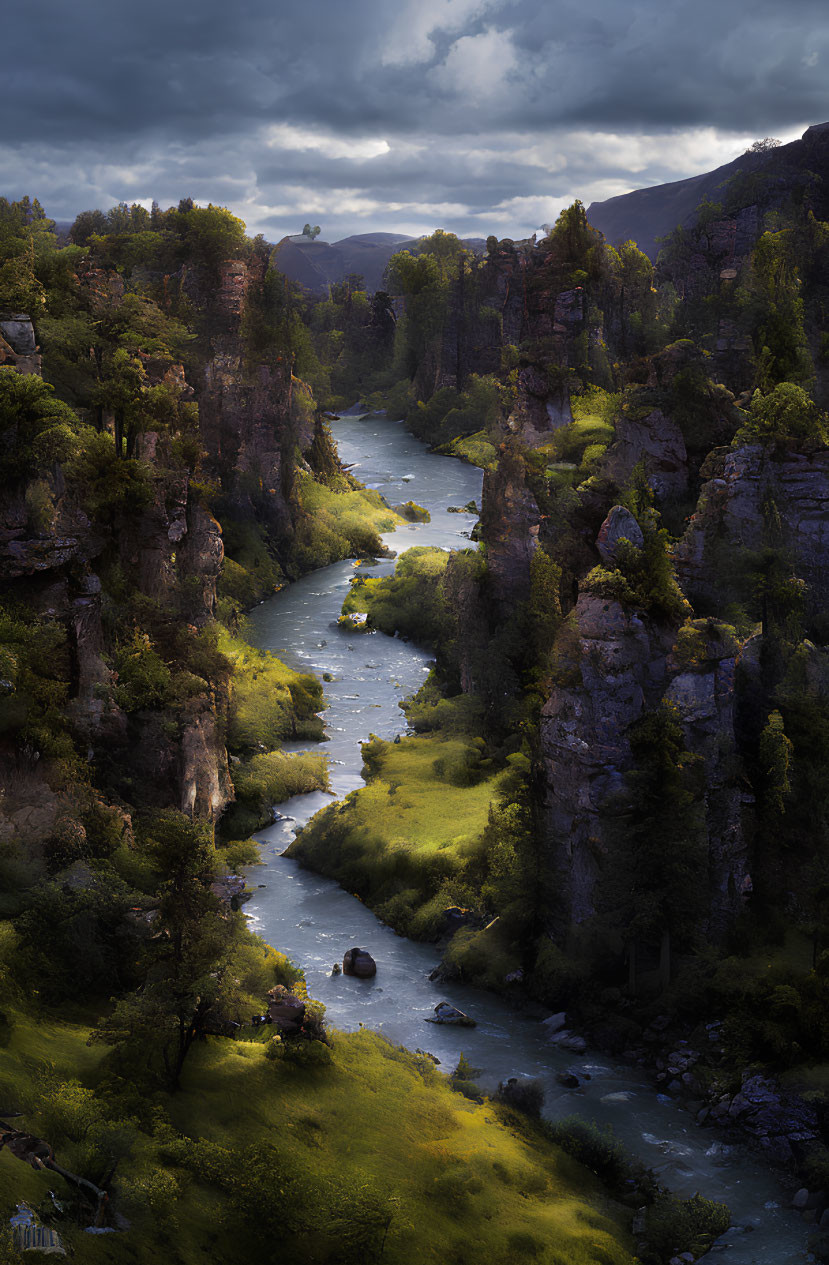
(785, 415)
(597, 1149)
(144, 680)
(684, 1225)
(522, 1095)
(298, 1053)
(269, 779)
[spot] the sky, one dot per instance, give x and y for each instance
(476, 116)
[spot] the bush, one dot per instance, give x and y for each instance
(684, 1225)
(785, 415)
(269, 779)
(524, 1095)
(144, 679)
(597, 1149)
(298, 1053)
(410, 602)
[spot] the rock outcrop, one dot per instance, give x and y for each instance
(619, 525)
(755, 499)
(18, 346)
(616, 669)
(659, 443)
(510, 520)
(702, 689)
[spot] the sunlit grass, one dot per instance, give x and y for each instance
(416, 826)
(459, 1182)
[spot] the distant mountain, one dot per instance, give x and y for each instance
(647, 214)
(316, 265)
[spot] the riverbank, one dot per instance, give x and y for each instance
(315, 921)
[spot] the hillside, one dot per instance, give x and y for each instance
(645, 215)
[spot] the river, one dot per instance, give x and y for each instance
(314, 921)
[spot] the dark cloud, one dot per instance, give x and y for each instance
(375, 115)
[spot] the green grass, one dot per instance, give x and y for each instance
(269, 702)
(412, 833)
(375, 1144)
(456, 1181)
(571, 442)
(337, 523)
(410, 602)
(268, 779)
(477, 449)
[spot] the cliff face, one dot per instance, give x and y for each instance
(510, 520)
(62, 561)
(753, 500)
(251, 413)
(622, 665)
(617, 667)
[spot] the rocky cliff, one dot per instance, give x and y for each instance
(755, 499)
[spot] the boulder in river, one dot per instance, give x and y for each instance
(567, 1040)
(446, 1013)
(359, 962)
(568, 1080)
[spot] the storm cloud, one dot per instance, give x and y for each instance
(473, 115)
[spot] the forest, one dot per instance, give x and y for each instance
(610, 800)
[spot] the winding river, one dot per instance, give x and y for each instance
(314, 921)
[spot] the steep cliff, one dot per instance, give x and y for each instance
(754, 500)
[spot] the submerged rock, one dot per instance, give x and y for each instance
(446, 1013)
(567, 1040)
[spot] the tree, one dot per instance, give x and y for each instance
(36, 429)
(763, 146)
(656, 880)
(775, 757)
(311, 233)
(771, 298)
(210, 235)
(785, 415)
(633, 274)
(190, 986)
(26, 239)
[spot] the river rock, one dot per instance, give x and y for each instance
(555, 1023)
(446, 1013)
(359, 962)
(568, 1080)
(567, 1040)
